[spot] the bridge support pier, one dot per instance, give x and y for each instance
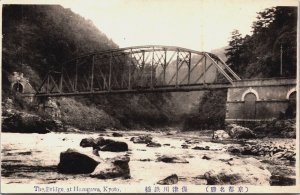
(252, 102)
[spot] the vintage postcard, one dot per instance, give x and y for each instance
(140, 96)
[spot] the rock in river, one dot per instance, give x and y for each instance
(206, 157)
(104, 144)
(235, 150)
(100, 141)
(154, 145)
(87, 142)
(115, 134)
(171, 159)
(113, 168)
(74, 162)
(170, 180)
(220, 135)
(201, 148)
(142, 139)
(239, 132)
(115, 146)
(246, 172)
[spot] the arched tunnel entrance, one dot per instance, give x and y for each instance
(18, 87)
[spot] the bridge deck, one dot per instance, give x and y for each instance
(161, 89)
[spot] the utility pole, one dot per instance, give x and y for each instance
(280, 59)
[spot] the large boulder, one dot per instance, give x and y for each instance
(170, 180)
(142, 139)
(171, 159)
(239, 132)
(104, 144)
(113, 168)
(74, 162)
(87, 142)
(100, 141)
(115, 146)
(220, 135)
(246, 172)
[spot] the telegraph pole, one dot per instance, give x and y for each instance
(280, 59)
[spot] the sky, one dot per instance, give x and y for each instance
(200, 25)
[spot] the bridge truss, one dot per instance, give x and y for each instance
(138, 70)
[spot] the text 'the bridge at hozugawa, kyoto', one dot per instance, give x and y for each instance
(152, 69)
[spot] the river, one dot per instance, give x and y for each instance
(32, 158)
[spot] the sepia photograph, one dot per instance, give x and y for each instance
(149, 96)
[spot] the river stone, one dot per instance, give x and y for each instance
(100, 141)
(184, 146)
(113, 168)
(115, 146)
(104, 145)
(142, 139)
(234, 150)
(74, 162)
(87, 142)
(96, 151)
(201, 148)
(115, 134)
(171, 159)
(239, 132)
(189, 141)
(205, 157)
(154, 145)
(220, 135)
(170, 180)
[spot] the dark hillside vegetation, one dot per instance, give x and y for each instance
(253, 56)
(259, 55)
(38, 38)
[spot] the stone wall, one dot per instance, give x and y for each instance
(258, 100)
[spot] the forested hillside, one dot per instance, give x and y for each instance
(38, 38)
(274, 39)
(253, 56)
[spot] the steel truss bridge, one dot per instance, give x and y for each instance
(141, 69)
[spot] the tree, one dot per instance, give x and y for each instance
(233, 53)
(264, 19)
(259, 55)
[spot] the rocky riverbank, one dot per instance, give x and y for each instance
(24, 122)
